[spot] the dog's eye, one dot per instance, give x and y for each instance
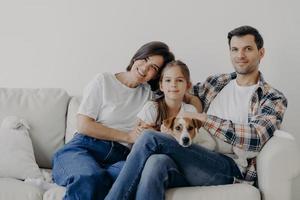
(177, 128)
(190, 128)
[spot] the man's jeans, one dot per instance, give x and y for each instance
(88, 167)
(157, 162)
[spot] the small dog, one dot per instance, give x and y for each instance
(182, 129)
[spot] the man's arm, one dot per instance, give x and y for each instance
(251, 136)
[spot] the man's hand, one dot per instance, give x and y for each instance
(193, 115)
(195, 101)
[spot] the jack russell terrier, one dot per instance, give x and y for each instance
(184, 130)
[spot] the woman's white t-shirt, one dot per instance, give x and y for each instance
(112, 103)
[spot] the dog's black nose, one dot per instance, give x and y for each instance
(185, 140)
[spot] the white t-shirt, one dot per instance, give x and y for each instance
(232, 103)
(112, 103)
(149, 112)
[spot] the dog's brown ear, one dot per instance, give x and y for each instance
(197, 123)
(168, 123)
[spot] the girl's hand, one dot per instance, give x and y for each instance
(163, 129)
(138, 130)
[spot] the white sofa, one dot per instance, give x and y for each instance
(51, 115)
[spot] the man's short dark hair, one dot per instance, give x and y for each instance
(247, 30)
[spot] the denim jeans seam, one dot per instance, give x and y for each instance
(130, 188)
(109, 153)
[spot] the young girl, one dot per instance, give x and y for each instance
(174, 83)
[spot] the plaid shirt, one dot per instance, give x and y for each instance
(265, 115)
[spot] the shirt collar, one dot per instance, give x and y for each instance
(262, 84)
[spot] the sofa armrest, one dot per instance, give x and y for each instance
(277, 164)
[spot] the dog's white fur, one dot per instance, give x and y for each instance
(210, 142)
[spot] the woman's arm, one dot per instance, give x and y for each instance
(90, 127)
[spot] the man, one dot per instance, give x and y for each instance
(240, 109)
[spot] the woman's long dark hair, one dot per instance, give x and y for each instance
(162, 108)
(152, 49)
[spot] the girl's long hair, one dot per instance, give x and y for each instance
(162, 108)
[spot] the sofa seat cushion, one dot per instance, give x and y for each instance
(16, 189)
(222, 192)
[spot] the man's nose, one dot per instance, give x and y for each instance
(241, 54)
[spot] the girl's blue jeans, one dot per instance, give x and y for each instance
(157, 162)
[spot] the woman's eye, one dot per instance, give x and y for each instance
(154, 68)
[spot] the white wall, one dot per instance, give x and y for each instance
(63, 43)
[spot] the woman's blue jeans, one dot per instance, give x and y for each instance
(157, 162)
(87, 167)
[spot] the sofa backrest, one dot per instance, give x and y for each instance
(45, 110)
(71, 117)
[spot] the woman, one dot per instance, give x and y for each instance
(88, 165)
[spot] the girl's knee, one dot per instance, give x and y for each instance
(158, 162)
